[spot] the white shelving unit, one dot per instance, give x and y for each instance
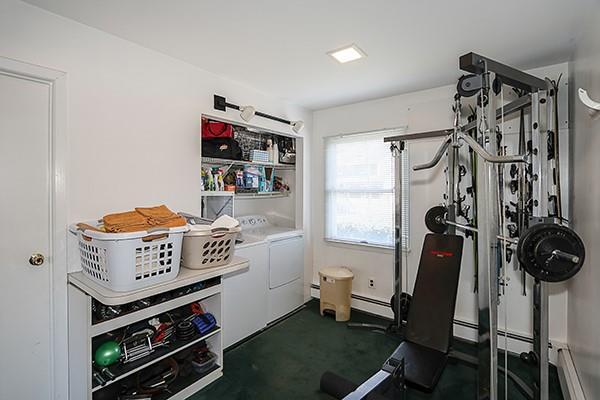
(82, 328)
(251, 301)
(220, 162)
(216, 203)
(225, 162)
(154, 359)
(264, 195)
(212, 193)
(245, 195)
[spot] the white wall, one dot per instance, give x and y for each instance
(584, 293)
(420, 111)
(133, 115)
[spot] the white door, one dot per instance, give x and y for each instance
(25, 289)
(245, 304)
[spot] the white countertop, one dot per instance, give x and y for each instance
(186, 277)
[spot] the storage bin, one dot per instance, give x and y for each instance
(129, 261)
(336, 291)
(204, 247)
(205, 366)
(259, 156)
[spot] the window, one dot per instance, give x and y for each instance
(359, 189)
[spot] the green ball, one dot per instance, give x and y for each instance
(108, 353)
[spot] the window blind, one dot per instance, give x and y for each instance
(359, 189)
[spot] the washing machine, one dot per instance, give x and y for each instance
(285, 262)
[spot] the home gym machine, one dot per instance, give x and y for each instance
(532, 226)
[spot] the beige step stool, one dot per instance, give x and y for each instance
(336, 291)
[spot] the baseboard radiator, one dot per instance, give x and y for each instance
(567, 374)
(386, 305)
(463, 329)
(561, 356)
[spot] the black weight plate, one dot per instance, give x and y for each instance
(434, 219)
(535, 252)
(405, 300)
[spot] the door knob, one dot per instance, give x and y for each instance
(36, 259)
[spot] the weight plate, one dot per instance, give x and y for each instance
(405, 300)
(434, 219)
(536, 252)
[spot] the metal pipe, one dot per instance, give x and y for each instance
(477, 64)
(563, 255)
(487, 220)
(472, 143)
(419, 135)
(436, 159)
(518, 105)
(473, 229)
(452, 188)
(461, 226)
(539, 161)
(397, 148)
(522, 194)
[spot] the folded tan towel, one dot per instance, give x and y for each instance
(158, 212)
(172, 223)
(161, 216)
(130, 221)
(142, 219)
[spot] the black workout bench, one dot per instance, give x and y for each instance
(421, 358)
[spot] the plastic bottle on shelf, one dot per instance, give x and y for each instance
(239, 179)
(210, 181)
(275, 153)
(270, 149)
(203, 180)
(220, 182)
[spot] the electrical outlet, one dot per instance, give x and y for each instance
(371, 283)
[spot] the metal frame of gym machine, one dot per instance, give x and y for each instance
(536, 92)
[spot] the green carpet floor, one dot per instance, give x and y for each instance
(287, 360)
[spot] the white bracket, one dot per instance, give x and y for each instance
(594, 106)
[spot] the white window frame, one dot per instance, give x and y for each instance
(405, 192)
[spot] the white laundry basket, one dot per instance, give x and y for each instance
(130, 261)
(204, 247)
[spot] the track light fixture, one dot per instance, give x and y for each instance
(297, 126)
(248, 112)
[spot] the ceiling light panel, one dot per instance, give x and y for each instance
(347, 54)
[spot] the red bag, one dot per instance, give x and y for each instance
(215, 129)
